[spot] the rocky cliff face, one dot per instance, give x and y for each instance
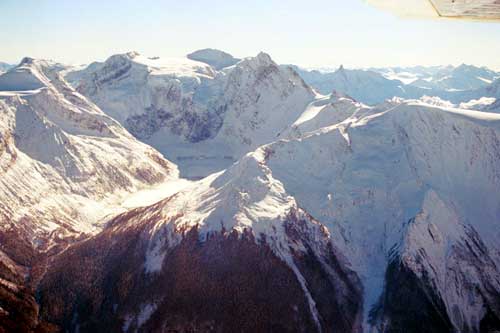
(445, 274)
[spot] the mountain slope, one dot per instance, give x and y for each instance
(490, 91)
(445, 260)
(371, 175)
(332, 205)
(65, 167)
(233, 252)
(63, 160)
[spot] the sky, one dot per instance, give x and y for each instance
(314, 33)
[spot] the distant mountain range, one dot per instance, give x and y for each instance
(463, 77)
(373, 86)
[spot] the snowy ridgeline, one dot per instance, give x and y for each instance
(205, 111)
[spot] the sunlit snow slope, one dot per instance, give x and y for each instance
(65, 164)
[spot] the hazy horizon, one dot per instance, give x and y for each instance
(324, 67)
(326, 34)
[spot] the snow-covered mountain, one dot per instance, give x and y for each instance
(477, 96)
(215, 58)
(375, 85)
(66, 167)
(365, 86)
(408, 75)
(463, 77)
(65, 164)
(198, 116)
(379, 219)
(326, 213)
(447, 78)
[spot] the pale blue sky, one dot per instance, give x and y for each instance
(308, 33)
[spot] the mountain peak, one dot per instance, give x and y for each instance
(463, 67)
(40, 63)
(264, 56)
(213, 57)
(30, 74)
(122, 57)
(26, 61)
(261, 59)
(133, 54)
(341, 71)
